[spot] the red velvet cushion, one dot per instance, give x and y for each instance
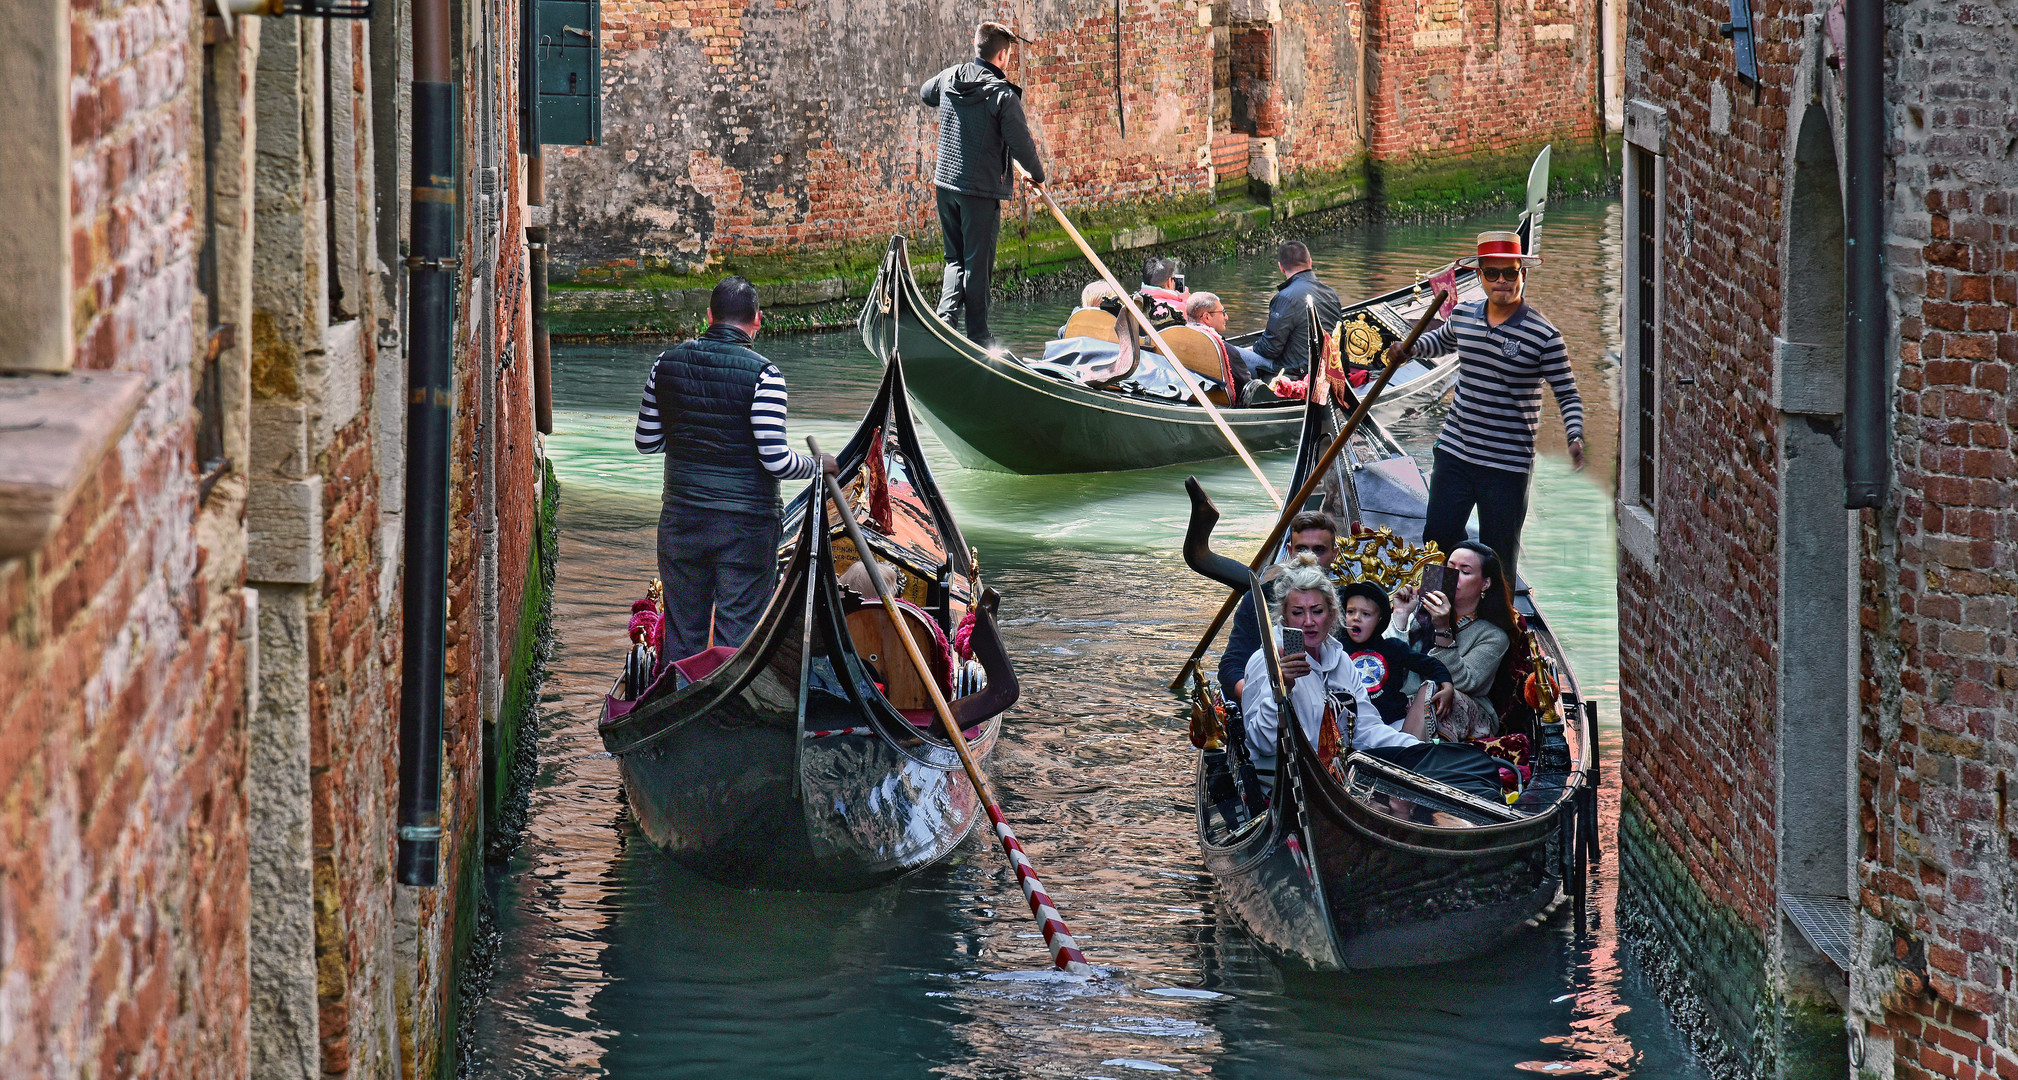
(702, 664)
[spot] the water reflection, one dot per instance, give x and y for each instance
(618, 963)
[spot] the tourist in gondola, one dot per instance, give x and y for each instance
(1161, 298)
(1285, 345)
(1506, 350)
(1323, 670)
(715, 407)
(1204, 313)
(1313, 533)
(1384, 663)
(1470, 633)
(981, 128)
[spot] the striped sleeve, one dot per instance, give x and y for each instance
(1555, 367)
(651, 435)
(1436, 342)
(767, 423)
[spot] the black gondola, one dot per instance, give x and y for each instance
(1361, 862)
(795, 761)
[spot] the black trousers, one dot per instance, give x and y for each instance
(718, 564)
(970, 227)
(1501, 496)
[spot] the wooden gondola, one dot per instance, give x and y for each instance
(1361, 863)
(997, 411)
(807, 758)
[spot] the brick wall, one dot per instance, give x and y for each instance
(1481, 76)
(1940, 706)
(137, 907)
(788, 135)
(1929, 987)
(122, 739)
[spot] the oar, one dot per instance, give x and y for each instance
(1057, 937)
(1183, 372)
(1310, 484)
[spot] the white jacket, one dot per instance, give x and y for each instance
(1330, 669)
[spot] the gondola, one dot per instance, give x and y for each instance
(1360, 862)
(807, 758)
(996, 411)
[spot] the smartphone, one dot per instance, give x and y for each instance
(1292, 641)
(1438, 578)
(1177, 283)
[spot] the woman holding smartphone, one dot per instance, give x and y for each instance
(1316, 668)
(1471, 629)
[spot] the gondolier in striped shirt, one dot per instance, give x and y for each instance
(1506, 350)
(716, 408)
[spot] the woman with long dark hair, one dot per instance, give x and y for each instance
(1471, 633)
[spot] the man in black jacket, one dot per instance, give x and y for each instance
(1286, 343)
(716, 408)
(981, 128)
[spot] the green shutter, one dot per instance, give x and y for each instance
(569, 50)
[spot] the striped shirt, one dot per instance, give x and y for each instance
(767, 423)
(1498, 405)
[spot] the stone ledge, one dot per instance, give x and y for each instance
(54, 430)
(1639, 537)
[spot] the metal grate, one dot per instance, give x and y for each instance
(1828, 922)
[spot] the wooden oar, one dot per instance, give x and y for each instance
(1177, 365)
(1057, 937)
(1310, 483)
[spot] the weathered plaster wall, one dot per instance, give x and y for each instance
(787, 137)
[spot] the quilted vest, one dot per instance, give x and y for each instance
(704, 388)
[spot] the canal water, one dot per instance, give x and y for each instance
(614, 962)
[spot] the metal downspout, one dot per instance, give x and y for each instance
(536, 205)
(430, 415)
(1866, 397)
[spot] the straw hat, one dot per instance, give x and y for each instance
(1499, 245)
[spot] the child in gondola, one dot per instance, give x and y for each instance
(1384, 663)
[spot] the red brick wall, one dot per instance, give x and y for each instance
(1482, 76)
(1940, 740)
(122, 727)
(1939, 668)
(711, 152)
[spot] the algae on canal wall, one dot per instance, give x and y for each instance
(824, 290)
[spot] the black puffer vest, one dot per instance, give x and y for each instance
(704, 388)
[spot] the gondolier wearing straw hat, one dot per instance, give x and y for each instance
(981, 128)
(1505, 350)
(716, 408)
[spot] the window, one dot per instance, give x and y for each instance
(1640, 412)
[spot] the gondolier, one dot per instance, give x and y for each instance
(1506, 350)
(981, 129)
(716, 408)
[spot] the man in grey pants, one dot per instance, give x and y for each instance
(981, 129)
(716, 408)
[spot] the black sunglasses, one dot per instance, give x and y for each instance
(1499, 273)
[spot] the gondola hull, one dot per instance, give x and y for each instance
(785, 767)
(1333, 874)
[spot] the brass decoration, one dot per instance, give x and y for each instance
(1208, 716)
(1384, 558)
(1361, 340)
(656, 593)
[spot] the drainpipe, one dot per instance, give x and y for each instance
(1866, 397)
(429, 417)
(536, 203)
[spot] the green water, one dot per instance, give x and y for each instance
(615, 962)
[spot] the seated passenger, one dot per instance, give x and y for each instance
(1286, 346)
(1312, 532)
(1160, 301)
(1095, 293)
(1322, 672)
(1470, 633)
(1204, 313)
(1384, 663)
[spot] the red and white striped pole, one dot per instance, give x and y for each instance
(1065, 952)
(1058, 939)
